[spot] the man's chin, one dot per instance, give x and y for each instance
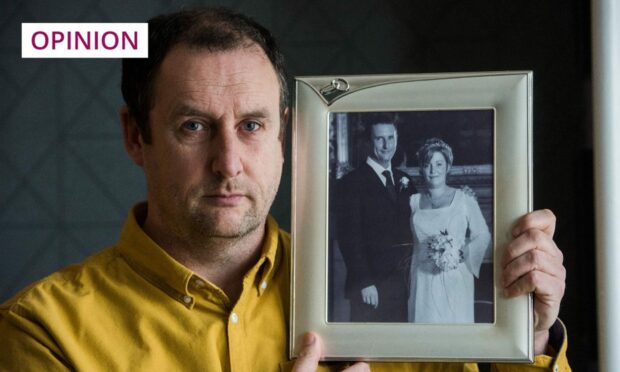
(226, 224)
(386, 157)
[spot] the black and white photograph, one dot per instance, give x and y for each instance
(411, 216)
(406, 194)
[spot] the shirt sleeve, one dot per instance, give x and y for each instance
(479, 236)
(558, 341)
(26, 346)
(350, 237)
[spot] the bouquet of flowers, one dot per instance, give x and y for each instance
(444, 251)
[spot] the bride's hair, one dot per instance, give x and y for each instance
(431, 146)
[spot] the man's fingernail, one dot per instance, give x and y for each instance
(309, 339)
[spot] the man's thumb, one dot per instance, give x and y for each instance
(310, 353)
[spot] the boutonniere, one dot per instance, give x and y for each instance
(404, 183)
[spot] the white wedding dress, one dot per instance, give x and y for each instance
(446, 296)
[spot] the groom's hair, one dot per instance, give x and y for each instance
(379, 118)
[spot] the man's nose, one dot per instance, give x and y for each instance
(226, 154)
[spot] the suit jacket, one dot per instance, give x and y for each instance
(374, 234)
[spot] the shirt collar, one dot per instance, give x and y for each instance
(378, 168)
(266, 267)
(154, 264)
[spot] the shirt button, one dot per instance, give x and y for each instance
(187, 299)
(263, 285)
(234, 318)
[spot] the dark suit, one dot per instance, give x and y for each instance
(375, 241)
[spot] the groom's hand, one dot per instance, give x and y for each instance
(370, 296)
(533, 263)
(468, 191)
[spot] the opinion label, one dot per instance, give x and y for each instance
(85, 40)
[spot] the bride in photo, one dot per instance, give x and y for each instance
(450, 240)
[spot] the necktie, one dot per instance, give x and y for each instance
(389, 184)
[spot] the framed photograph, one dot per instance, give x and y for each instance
(405, 188)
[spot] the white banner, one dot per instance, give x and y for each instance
(85, 40)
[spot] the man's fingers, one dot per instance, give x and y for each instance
(374, 299)
(546, 287)
(310, 354)
(529, 240)
(370, 296)
(543, 220)
(548, 292)
(371, 300)
(533, 260)
(532, 263)
(358, 367)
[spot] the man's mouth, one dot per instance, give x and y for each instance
(225, 199)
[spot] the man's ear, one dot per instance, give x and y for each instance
(132, 138)
(286, 115)
(284, 119)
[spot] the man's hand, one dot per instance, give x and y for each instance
(311, 352)
(370, 296)
(533, 263)
(469, 192)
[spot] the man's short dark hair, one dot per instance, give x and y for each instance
(377, 118)
(213, 29)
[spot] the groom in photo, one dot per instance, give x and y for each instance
(373, 230)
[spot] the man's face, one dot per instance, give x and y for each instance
(215, 160)
(384, 139)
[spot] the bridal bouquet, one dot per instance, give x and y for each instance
(445, 251)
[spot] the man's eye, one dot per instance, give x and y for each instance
(193, 126)
(250, 126)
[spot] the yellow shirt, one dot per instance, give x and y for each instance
(132, 307)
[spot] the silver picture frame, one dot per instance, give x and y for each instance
(508, 334)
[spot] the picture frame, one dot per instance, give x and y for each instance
(487, 118)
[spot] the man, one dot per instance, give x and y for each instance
(373, 230)
(199, 279)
